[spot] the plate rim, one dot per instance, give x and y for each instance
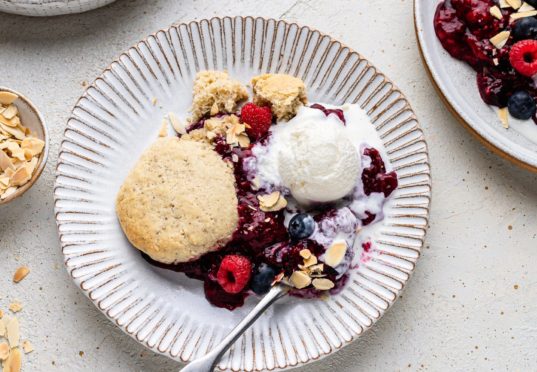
(368, 64)
(470, 127)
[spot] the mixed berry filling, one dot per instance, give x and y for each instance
(498, 41)
(264, 248)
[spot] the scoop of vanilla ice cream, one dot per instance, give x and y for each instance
(319, 163)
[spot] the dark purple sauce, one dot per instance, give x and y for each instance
(464, 28)
(262, 236)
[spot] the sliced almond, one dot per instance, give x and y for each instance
(21, 177)
(281, 204)
(5, 161)
(4, 350)
(504, 117)
(504, 4)
(515, 4)
(15, 307)
(525, 8)
(20, 274)
(310, 261)
(496, 12)
(516, 16)
(12, 123)
(177, 125)
(34, 145)
(13, 362)
(305, 253)
(9, 191)
(322, 284)
(10, 112)
(244, 141)
(335, 253)
(300, 279)
(500, 39)
(269, 200)
(13, 332)
(14, 131)
(7, 98)
(27, 347)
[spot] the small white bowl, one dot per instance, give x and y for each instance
(32, 119)
(45, 8)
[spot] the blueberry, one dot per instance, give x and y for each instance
(521, 105)
(301, 226)
(525, 28)
(263, 278)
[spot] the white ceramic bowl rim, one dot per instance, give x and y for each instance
(44, 155)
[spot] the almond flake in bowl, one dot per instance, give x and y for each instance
(23, 145)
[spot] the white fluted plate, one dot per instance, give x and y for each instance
(115, 120)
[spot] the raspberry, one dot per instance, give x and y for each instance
(523, 57)
(258, 119)
(234, 273)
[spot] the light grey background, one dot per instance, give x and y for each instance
(472, 303)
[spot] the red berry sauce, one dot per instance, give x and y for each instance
(262, 237)
(464, 28)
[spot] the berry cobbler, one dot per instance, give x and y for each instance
(498, 38)
(307, 180)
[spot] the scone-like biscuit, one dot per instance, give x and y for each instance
(284, 93)
(215, 92)
(179, 201)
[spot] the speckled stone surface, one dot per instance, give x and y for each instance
(472, 303)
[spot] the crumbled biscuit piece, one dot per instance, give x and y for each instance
(215, 92)
(285, 94)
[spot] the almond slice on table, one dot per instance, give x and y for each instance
(20, 274)
(13, 362)
(27, 347)
(13, 332)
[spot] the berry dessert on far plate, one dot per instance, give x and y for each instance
(498, 38)
(250, 193)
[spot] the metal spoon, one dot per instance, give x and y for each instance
(209, 361)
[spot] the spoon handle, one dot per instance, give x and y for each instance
(209, 361)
